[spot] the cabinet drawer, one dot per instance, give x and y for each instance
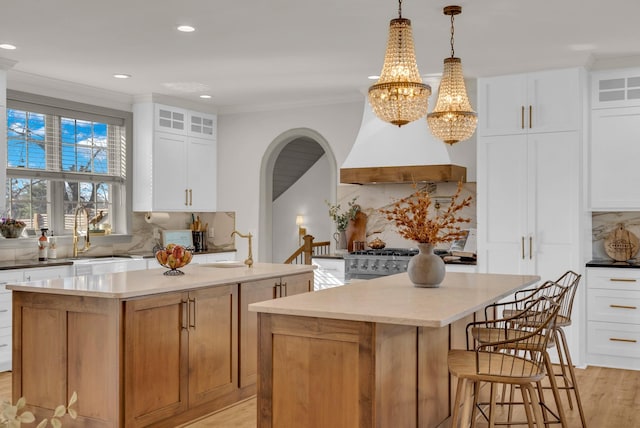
(613, 279)
(613, 339)
(5, 310)
(5, 344)
(618, 306)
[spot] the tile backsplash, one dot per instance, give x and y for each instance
(603, 223)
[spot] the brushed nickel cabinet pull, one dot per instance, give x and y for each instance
(4, 310)
(530, 247)
(622, 307)
(523, 248)
(190, 197)
(622, 279)
(522, 118)
(616, 339)
(186, 197)
(530, 117)
(192, 313)
(4, 345)
(278, 291)
(284, 286)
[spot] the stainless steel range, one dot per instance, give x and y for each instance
(368, 264)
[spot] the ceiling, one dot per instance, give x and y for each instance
(257, 54)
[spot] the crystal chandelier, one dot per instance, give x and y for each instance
(452, 119)
(399, 96)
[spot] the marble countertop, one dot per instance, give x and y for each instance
(394, 299)
(124, 285)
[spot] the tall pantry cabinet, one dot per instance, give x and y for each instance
(529, 172)
(529, 190)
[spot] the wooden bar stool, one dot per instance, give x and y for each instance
(509, 355)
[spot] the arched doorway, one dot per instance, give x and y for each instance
(325, 186)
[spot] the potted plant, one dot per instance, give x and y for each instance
(416, 221)
(342, 219)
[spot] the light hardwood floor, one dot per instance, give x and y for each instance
(611, 399)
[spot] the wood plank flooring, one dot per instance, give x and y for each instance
(610, 397)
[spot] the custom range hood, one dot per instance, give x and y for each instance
(383, 153)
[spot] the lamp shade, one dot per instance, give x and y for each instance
(452, 119)
(399, 96)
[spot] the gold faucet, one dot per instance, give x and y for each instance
(87, 244)
(249, 260)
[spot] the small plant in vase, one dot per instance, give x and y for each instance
(341, 219)
(415, 220)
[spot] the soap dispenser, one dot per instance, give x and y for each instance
(53, 247)
(43, 243)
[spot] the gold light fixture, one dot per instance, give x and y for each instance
(301, 230)
(399, 96)
(453, 119)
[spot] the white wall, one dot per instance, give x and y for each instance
(305, 197)
(243, 139)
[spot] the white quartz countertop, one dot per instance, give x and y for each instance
(395, 300)
(153, 281)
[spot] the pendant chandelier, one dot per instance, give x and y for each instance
(453, 119)
(399, 96)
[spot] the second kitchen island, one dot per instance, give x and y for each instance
(370, 354)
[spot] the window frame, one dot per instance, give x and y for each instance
(121, 195)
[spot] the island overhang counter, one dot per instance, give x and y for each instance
(369, 354)
(141, 348)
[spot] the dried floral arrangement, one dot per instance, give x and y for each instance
(342, 218)
(414, 221)
(13, 416)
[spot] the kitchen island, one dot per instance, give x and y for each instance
(141, 348)
(370, 354)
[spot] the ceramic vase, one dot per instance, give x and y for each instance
(426, 269)
(341, 241)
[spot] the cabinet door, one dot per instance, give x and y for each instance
(169, 172)
(170, 119)
(554, 99)
(615, 153)
(251, 292)
(48, 273)
(297, 284)
(554, 203)
(213, 333)
(501, 106)
(155, 358)
(502, 204)
(201, 172)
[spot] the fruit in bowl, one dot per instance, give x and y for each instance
(10, 228)
(174, 256)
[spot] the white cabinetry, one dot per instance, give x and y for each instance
(329, 272)
(529, 191)
(613, 317)
(6, 277)
(615, 140)
(545, 101)
(54, 272)
(175, 156)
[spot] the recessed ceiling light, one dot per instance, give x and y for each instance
(205, 96)
(7, 46)
(186, 28)
(121, 76)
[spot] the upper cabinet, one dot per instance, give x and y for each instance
(175, 157)
(615, 140)
(547, 101)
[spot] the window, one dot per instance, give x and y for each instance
(60, 158)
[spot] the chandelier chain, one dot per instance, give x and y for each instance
(452, 31)
(400, 9)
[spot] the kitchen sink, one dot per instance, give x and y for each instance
(224, 264)
(98, 259)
